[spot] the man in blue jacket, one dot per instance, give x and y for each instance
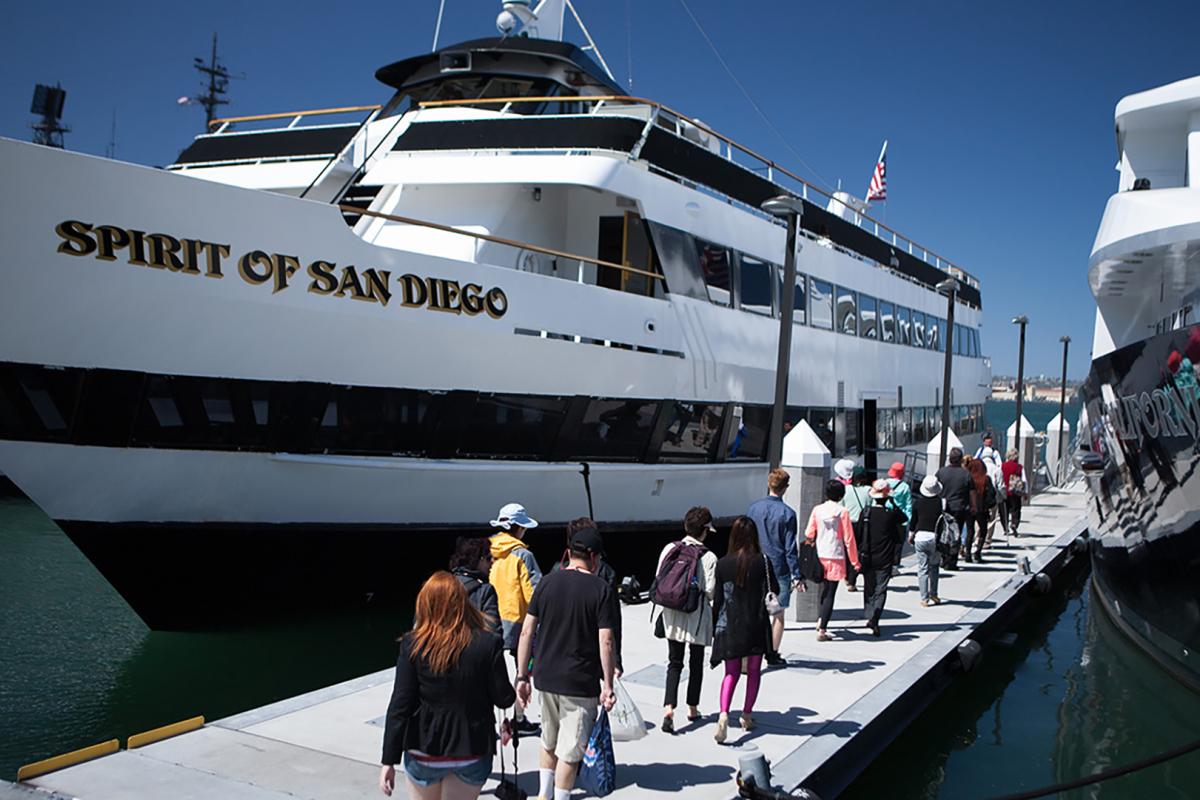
(777, 531)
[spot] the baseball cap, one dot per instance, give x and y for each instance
(587, 539)
(513, 514)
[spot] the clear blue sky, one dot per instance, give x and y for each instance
(1000, 115)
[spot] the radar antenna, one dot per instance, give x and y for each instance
(218, 85)
(48, 104)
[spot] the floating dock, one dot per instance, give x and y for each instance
(821, 720)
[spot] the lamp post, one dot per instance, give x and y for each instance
(1022, 321)
(948, 287)
(1062, 410)
(790, 208)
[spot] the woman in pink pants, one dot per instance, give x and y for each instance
(742, 630)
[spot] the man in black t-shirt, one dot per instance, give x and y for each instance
(574, 614)
(956, 491)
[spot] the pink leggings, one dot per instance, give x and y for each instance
(733, 671)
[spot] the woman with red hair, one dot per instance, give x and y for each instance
(983, 499)
(449, 676)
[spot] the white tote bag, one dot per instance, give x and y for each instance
(625, 719)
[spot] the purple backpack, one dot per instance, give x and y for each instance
(677, 584)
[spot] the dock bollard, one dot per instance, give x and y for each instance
(969, 653)
(754, 780)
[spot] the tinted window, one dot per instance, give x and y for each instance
(887, 321)
(852, 423)
(677, 257)
(373, 420)
(918, 328)
(933, 327)
(715, 269)
(885, 427)
(868, 316)
(512, 426)
(821, 421)
(821, 294)
(903, 326)
(756, 286)
(847, 311)
(903, 427)
(800, 302)
(691, 430)
(37, 402)
(615, 429)
(919, 431)
(750, 441)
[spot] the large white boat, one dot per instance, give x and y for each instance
(1142, 398)
(251, 378)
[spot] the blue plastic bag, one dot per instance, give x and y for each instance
(598, 772)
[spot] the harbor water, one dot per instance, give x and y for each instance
(1066, 696)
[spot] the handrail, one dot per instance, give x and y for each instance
(700, 125)
(499, 240)
(290, 114)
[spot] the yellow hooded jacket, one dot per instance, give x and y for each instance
(514, 575)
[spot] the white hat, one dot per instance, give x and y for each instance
(931, 486)
(844, 468)
(880, 489)
(514, 514)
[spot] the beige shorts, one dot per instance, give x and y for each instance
(567, 724)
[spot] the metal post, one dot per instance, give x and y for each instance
(1022, 321)
(949, 288)
(1062, 412)
(788, 302)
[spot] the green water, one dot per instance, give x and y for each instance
(1070, 697)
(78, 667)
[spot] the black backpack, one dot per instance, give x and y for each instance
(677, 584)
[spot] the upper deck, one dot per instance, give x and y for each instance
(517, 96)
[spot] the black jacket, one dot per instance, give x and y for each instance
(926, 512)
(449, 714)
(482, 595)
(883, 532)
(956, 489)
(741, 625)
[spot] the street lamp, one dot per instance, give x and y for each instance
(1022, 321)
(1062, 410)
(790, 208)
(948, 287)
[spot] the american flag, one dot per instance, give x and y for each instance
(878, 189)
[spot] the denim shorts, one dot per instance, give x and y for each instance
(785, 592)
(475, 773)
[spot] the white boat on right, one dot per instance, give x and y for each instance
(1142, 414)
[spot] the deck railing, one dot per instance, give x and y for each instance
(221, 125)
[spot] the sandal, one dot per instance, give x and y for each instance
(722, 728)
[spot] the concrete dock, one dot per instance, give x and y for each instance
(821, 720)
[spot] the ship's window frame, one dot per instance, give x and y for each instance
(703, 261)
(821, 294)
(868, 317)
(750, 441)
(764, 269)
(904, 326)
(887, 321)
(482, 437)
(846, 310)
(630, 445)
(800, 302)
(692, 416)
(918, 329)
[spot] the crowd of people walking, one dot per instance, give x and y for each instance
(562, 630)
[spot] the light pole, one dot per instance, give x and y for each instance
(1022, 321)
(1062, 411)
(948, 287)
(791, 208)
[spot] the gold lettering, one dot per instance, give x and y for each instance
(322, 281)
(191, 255)
(284, 268)
(137, 248)
(76, 241)
(377, 285)
(447, 296)
(472, 299)
(496, 302)
(213, 254)
(247, 263)
(163, 250)
(415, 293)
(109, 240)
(351, 283)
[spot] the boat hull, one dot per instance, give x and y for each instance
(1143, 417)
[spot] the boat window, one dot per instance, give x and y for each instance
(637, 252)
(959, 350)
(755, 288)
(821, 295)
(868, 326)
(377, 420)
(919, 432)
(512, 426)
(918, 328)
(903, 427)
(887, 321)
(850, 421)
(677, 257)
(800, 303)
(821, 421)
(847, 311)
(41, 395)
(477, 87)
(885, 428)
(976, 350)
(614, 429)
(108, 404)
(933, 332)
(903, 326)
(715, 268)
(750, 440)
(691, 430)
